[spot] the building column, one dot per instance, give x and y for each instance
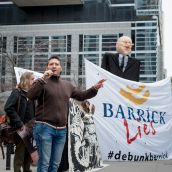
(74, 59)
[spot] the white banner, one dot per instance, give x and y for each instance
(133, 119)
(84, 152)
(19, 71)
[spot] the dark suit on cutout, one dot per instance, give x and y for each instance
(110, 63)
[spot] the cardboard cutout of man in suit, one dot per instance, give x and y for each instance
(121, 64)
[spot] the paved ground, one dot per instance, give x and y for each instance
(3, 163)
(158, 166)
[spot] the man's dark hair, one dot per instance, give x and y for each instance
(53, 57)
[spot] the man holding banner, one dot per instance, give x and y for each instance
(52, 94)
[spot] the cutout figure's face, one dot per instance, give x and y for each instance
(124, 45)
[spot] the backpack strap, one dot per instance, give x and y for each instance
(19, 100)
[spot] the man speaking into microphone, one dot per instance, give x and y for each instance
(52, 94)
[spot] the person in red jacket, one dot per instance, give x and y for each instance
(52, 94)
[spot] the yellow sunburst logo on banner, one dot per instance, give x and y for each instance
(136, 95)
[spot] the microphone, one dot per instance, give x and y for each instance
(47, 74)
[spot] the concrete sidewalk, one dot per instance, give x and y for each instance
(3, 163)
(157, 166)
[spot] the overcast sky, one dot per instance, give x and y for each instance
(167, 9)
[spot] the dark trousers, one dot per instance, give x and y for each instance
(21, 158)
(64, 164)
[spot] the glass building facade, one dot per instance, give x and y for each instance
(30, 35)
